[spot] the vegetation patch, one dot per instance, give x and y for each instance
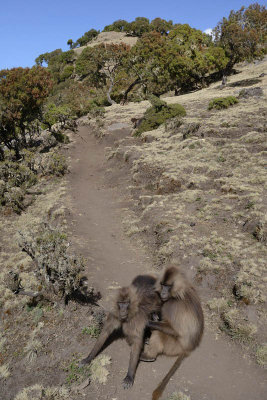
(17, 177)
(58, 270)
(222, 102)
(159, 113)
(261, 355)
(96, 324)
(39, 392)
(179, 396)
(236, 327)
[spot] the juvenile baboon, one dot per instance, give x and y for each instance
(180, 330)
(131, 311)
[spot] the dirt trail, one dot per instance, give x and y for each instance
(215, 371)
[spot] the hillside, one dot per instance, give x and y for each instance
(192, 194)
(141, 146)
(108, 38)
(200, 196)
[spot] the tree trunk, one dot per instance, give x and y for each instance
(109, 91)
(132, 85)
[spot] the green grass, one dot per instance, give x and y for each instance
(222, 102)
(93, 330)
(75, 373)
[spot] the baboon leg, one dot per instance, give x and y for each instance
(153, 349)
(134, 358)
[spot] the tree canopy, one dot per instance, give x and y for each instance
(167, 56)
(22, 93)
(243, 34)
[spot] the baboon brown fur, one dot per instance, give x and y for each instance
(131, 311)
(181, 327)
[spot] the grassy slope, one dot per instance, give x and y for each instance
(201, 200)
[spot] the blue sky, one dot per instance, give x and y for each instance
(29, 28)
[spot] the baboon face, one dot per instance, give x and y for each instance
(123, 308)
(165, 291)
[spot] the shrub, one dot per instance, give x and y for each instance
(158, 114)
(54, 164)
(16, 177)
(97, 112)
(222, 102)
(58, 270)
(53, 114)
(16, 174)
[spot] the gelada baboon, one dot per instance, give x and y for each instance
(132, 308)
(180, 330)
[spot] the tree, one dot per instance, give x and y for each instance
(48, 57)
(87, 37)
(118, 26)
(70, 43)
(196, 57)
(179, 61)
(88, 66)
(60, 64)
(138, 27)
(112, 57)
(100, 65)
(161, 25)
(243, 34)
(22, 93)
(146, 64)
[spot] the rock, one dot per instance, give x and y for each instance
(251, 92)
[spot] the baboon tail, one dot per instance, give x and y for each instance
(158, 392)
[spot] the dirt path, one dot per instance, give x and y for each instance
(217, 370)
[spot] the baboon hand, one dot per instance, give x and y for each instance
(127, 382)
(155, 316)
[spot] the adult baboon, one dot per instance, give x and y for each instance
(180, 330)
(131, 311)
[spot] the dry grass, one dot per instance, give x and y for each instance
(179, 396)
(200, 189)
(39, 392)
(109, 38)
(261, 355)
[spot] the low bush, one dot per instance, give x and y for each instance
(58, 270)
(97, 112)
(54, 164)
(222, 102)
(158, 114)
(53, 114)
(16, 177)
